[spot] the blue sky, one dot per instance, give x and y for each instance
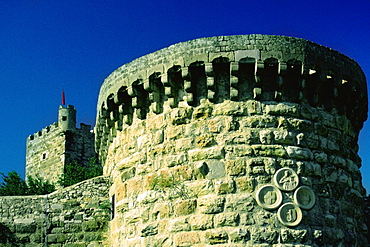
(50, 45)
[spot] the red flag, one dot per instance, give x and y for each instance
(63, 98)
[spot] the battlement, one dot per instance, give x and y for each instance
(43, 132)
(236, 68)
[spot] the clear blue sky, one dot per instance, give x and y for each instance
(50, 45)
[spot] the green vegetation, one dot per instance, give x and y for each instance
(74, 172)
(14, 185)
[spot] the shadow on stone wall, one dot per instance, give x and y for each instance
(367, 216)
(7, 238)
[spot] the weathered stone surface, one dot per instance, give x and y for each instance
(187, 238)
(185, 207)
(216, 236)
(201, 221)
(211, 204)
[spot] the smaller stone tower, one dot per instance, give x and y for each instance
(50, 149)
(67, 118)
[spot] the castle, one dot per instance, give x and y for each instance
(244, 140)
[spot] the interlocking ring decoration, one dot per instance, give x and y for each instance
(271, 197)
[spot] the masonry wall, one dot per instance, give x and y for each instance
(238, 141)
(45, 153)
(76, 216)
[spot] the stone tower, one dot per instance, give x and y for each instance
(235, 140)
(51, 148)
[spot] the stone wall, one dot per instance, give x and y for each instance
(238, 141)
(76, 216)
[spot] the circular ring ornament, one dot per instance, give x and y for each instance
(289, 214)
(269, 197)
(286, 179)
(304, 197)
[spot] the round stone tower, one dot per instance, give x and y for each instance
(67, 118)
(235, 140)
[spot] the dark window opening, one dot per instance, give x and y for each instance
(113, 207)
(64, 118)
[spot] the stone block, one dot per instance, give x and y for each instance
(203, 111)
(242, 150)
(247, 219)
(56, 238)
(25, 226)
(37, 238)
(182, 173)
(184, 144)
(220, 124)
(282, 109)
(293, 236)
(180, 115)
(259, 121)
(149, 229)
(174, 160)
(299, 153)
(174, 132)
(128, 173)
(200, 187)
(226, 219)
(211, 204)
(179, 224)
(264, 235)
(201, 221)
(216, 236)
(230, 108)
(247, 137)
(301, 125)
(244, 184)
(149, 196)
(90, 226)
(134, 186)
(241, 203)
(216, 152)
(197, 58)
(239, 235)
(161, 211)
(185, 207)
(247, 53)
(229, 55)
(224, 186)
(216, 169)
(271, 54)
(187, 238)
(235, 167)
(89, 237)
(121, 192)
(269, 150)
(283, 136)
(205, 140)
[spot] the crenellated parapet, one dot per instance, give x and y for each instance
(42, 133)
(237, 68)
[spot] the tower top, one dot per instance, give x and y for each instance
(67, 117)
